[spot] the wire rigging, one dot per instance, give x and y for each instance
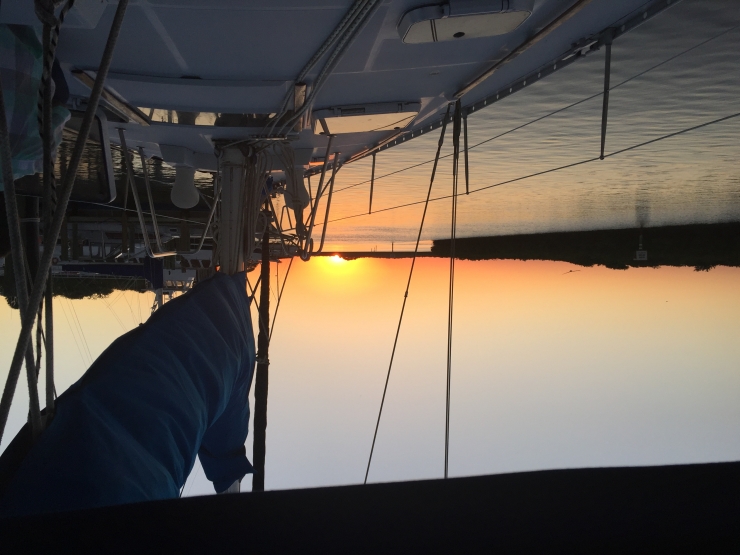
(81, 332)
(51, 235)
(74, 335)
(552, 170)
(406, 293)
(554, 112)
(279, 297)
(115, 315)
(457, 120)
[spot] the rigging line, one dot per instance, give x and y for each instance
(144, 212)
(414, 203)
(115, 315)
(83, 339)
(253, 290)
(191, 483)
(406, 293)
(555, 112)
(74, 335)
(551, 170)
(450, 302)
(260, 320)
(82, 332)
(76, 332)
(280, 296)
(130, 309)
(687, 130)
(276, 293)
(386, 126)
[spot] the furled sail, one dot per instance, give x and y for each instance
(130, 428)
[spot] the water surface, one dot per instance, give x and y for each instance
(690, 178)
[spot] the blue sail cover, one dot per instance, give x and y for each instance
(130, 428)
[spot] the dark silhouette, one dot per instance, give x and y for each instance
(702, 246)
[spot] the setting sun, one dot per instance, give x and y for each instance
(336, 259)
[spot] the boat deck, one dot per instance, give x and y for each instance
(663, 509)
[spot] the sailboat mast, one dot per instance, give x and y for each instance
(263, 364)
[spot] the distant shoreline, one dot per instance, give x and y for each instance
(702, 246)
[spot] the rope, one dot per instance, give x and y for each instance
(552, 170)
(406, 293)
(260, 320)
(74, 334)
(52, 234)
(554, 112)
(344, 42)
(328, 43)
(51, 28)
(21, 276)
(280, 296)
(455, 166)
(144, 212)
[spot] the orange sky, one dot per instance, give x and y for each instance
(589, 368)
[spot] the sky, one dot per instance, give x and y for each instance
(552, 368)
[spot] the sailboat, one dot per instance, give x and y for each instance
(252, 108)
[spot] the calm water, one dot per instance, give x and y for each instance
(690, 178)
(551, 368)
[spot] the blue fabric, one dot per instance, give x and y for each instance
(130, 428)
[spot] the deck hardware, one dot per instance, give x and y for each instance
(406, 294)
(457, 19)
(121, 108)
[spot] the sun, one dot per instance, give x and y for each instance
(336, 259)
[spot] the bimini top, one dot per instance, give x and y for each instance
(371, 72)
